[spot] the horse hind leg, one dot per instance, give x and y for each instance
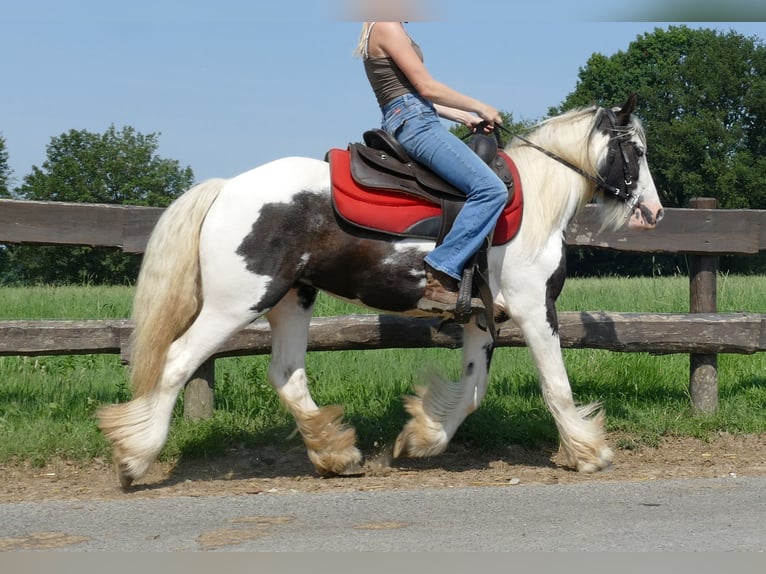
(440, 407)
(138, 429)
(330, 443)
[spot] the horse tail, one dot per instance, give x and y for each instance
(168, 292)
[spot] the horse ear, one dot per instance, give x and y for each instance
(623, 116)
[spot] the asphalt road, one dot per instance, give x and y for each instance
(685, 515)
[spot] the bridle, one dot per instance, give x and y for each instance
(624, 191)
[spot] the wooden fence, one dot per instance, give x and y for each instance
(701, 232)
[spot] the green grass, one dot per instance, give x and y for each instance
(47, 404)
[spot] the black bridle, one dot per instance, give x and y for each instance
(623, 191)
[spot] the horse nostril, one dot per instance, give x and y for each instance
(660, 214)
(647, 214)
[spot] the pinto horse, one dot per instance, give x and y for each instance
(265, 242)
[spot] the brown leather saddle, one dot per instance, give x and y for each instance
(381, 163)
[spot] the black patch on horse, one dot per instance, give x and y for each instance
(299, 243)
(553, 287)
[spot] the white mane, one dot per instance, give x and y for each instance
(553, 193)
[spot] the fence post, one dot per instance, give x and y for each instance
(199, 396)
(703, 369)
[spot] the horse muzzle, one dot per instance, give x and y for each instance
(646, 216)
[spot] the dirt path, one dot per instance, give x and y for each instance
(271, 470)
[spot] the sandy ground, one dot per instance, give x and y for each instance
(269, 469)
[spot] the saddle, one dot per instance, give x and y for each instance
(382, 163)
(378, 190)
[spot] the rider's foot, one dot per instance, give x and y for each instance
(441, 293)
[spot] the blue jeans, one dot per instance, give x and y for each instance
(417, 127)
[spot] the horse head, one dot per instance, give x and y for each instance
(624, 170)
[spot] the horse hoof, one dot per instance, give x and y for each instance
(602, 463)
(400, 446)
(125, 478)
(592, 468)
(354, 469)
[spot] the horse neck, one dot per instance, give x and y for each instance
(569, 136)
(553, 192)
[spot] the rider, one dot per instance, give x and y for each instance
(411, 102)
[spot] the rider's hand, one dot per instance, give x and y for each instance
(475, 123)
(491, 116)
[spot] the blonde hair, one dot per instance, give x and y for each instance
(361, 48)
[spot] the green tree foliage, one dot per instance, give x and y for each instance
(5, 170)
(116, 167)
(702, 98)
(5, 192)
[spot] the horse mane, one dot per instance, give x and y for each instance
(553, 192)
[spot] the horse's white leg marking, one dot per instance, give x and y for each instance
(330, 443)
(581, 430)
(440, 407)
(139, 427)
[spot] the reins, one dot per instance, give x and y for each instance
(622, 193)
(599, 182)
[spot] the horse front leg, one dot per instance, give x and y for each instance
(441, 406)
(331, 444)
(581, 429)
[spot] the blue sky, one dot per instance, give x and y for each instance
(229, 85)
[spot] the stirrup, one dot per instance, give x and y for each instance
(467, 305)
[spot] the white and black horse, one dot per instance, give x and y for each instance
(265, 242)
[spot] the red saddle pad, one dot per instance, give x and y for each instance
(396, 212)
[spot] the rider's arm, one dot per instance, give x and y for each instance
(455, 115)
(392, 40)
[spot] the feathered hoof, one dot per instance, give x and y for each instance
(128, 472)
(330, 442)
(600, 462)
(135, 441)
(125, 477)
(345, 463)
(586, 451)
(588, 461)
(417, 441)
(352, 470)
(355, 469)
(421, 436)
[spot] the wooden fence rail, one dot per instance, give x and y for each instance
(656, 333)
(708, 231)
(701, 231)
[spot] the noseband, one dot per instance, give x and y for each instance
(625, 190)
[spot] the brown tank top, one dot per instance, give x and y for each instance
(386, 78)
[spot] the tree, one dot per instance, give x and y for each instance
(116, 167)
(5, 192)
(5, 170)
(702, 98)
